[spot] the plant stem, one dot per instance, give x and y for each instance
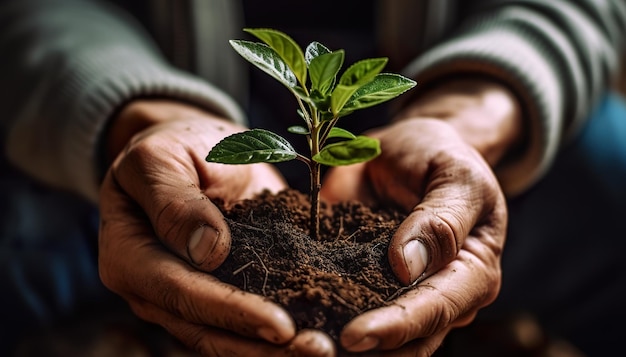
(315, 199)
(315, 175)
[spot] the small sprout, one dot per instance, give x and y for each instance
(311, 75)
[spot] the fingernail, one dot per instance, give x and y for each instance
(365, 344)
(268, 334)
(202, 242)
(415, 258)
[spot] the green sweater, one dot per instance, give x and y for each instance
(68, 65)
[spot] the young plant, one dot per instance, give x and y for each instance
(322, 99)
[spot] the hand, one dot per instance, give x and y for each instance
(450, 244)
(160, 234)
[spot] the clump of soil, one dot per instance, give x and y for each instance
(325, 283)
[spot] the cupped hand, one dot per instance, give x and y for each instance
(161, 234)
(449, 245)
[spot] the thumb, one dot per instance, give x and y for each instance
(433, 233)
(194, 229)
(186, 221)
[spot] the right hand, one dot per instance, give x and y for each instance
(437, 165)
(449, 244)
(160, 234)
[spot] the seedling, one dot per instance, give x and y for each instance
(322, 99)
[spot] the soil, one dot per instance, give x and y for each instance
(323, 283)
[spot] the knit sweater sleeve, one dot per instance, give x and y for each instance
(558, 56)
(67, 66)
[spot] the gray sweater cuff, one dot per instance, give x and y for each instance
(86, 100)
(527, 73)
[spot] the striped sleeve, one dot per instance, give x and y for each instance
(69, 66)
(558, 56)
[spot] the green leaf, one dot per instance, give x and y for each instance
(336, 132)
(383, 87)
(323, 70)
(298, 129)
(267, 60)
(349, 152)
(301, 114)
(252, 146)
(362, 71)
(313, 50)
(286, 48)
(357, 75)
(340, 96)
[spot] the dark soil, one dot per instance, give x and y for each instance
(325, 283)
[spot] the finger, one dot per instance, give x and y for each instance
(424, 347)
(445, 300)
(458, 195)
(311, 343)
(202, 299)
(132, 261)
(210, 341)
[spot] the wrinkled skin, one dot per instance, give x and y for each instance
(456, 210)
(158, 193)
(436, 164)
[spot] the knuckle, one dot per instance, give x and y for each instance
(494, 281)
(449, 312)
(444, 240)
(170, 300)
(174, 299)
(168, 214)
(135, 154)
(194, 338)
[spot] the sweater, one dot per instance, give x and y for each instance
(69, 65)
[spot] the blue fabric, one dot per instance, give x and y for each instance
(564, 252)
(48, 266)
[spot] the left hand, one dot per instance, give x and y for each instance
(155, 202)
